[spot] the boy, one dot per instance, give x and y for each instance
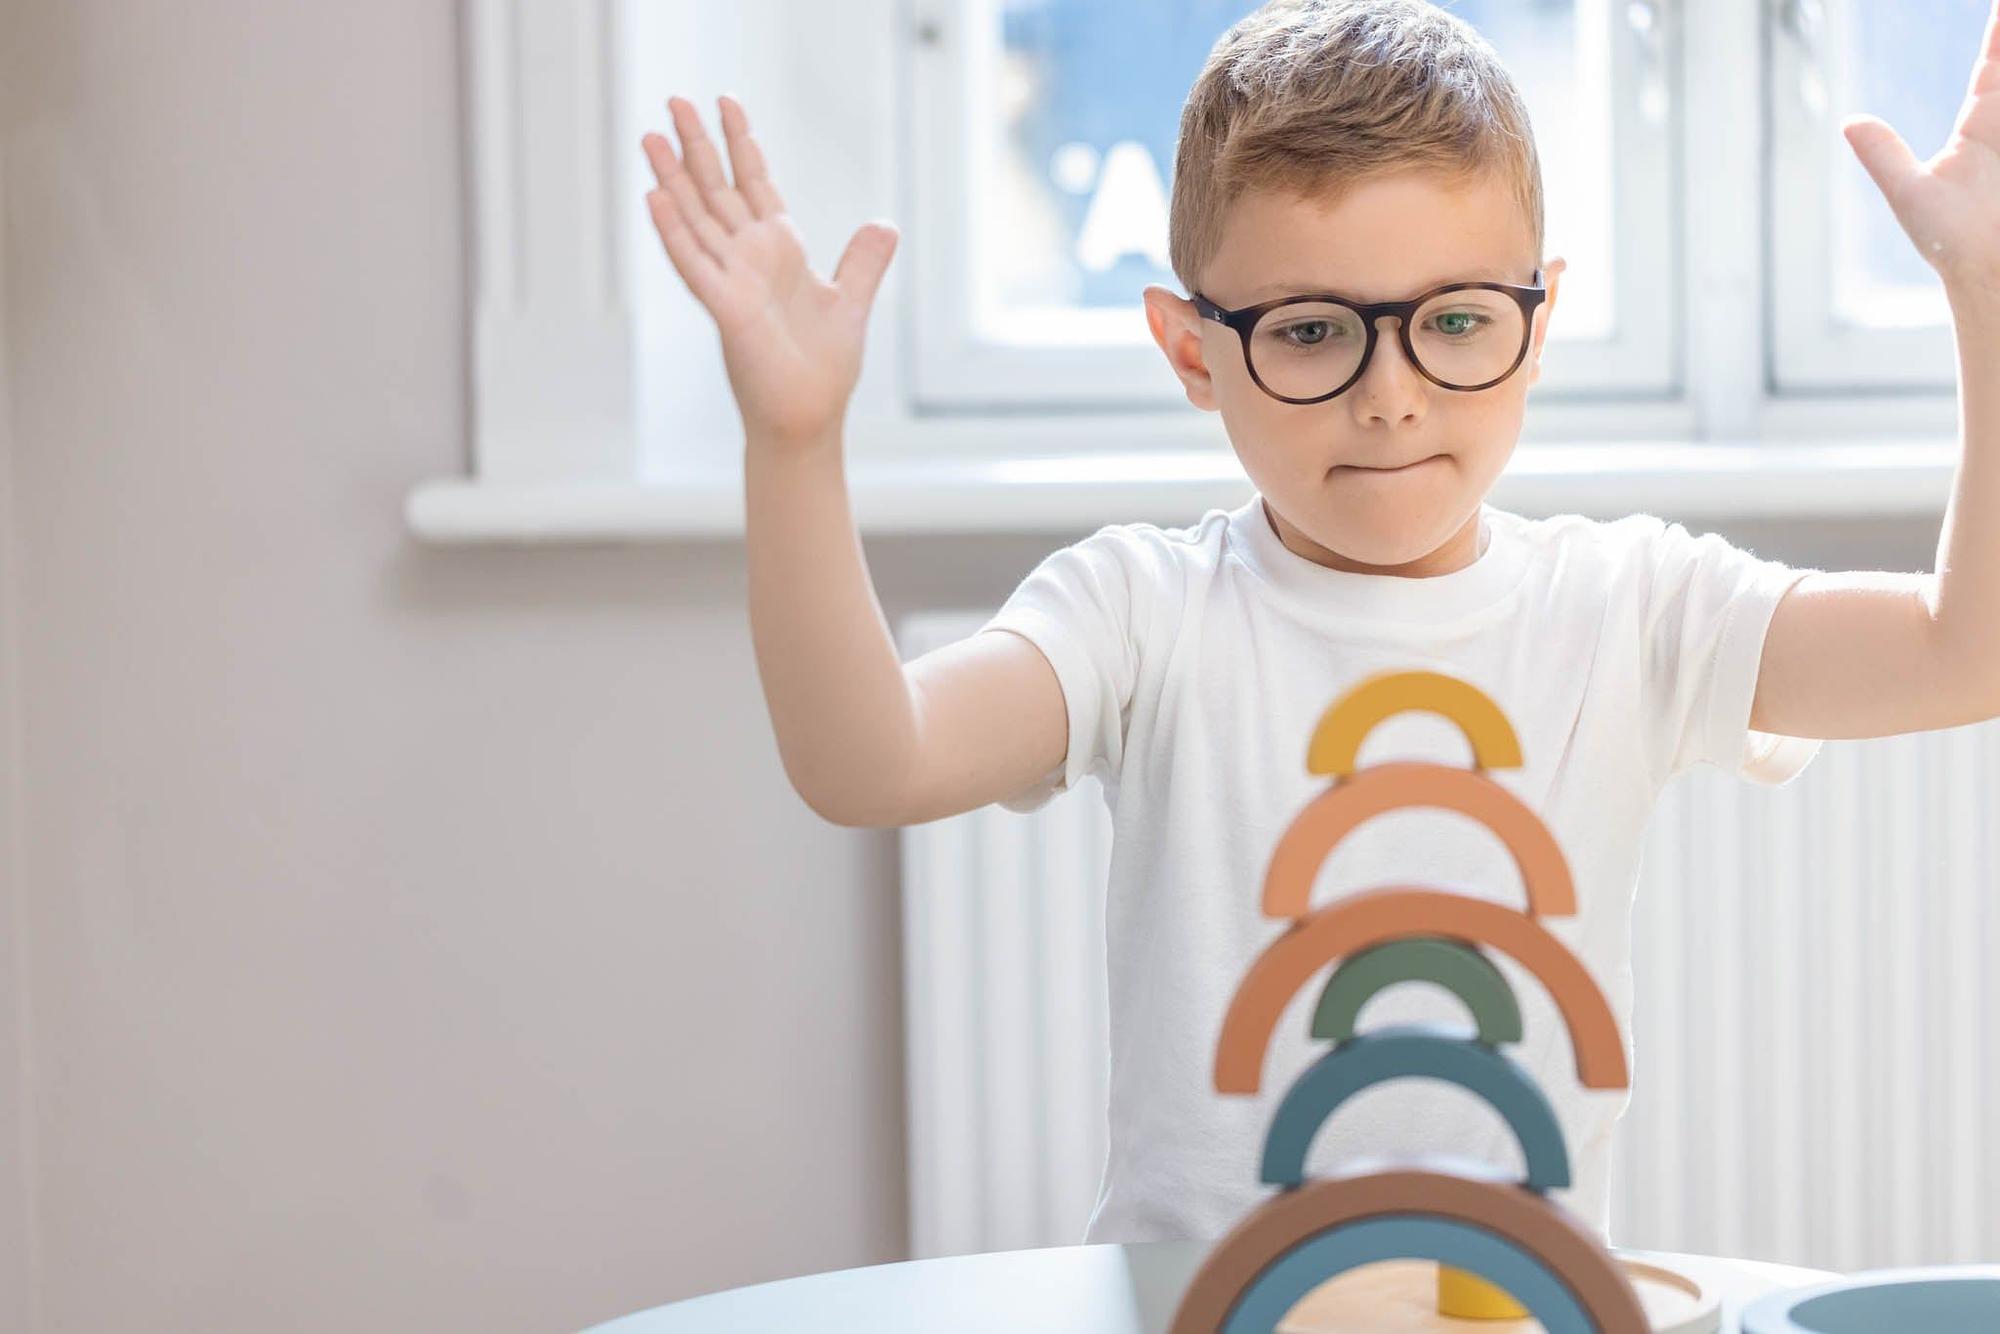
(1374, 149)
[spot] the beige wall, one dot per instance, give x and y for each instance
(419, 939)
(422, 939)
(16, 1212)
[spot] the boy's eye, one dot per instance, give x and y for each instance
(1460, 322)
(1308, 333)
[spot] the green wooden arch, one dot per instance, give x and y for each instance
(1456, 965)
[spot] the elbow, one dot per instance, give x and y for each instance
(851, 790)
(1971, 669)
(1984, 693)
(820, 808)
(837, 813)
(846, 803)
(823, 802)
(853, 816)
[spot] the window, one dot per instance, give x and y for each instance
(1855, 306)
(1044, 149)
(1735, 281)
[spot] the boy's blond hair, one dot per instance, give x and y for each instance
(1308, 97)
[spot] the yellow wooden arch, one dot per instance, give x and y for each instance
(1336, 741)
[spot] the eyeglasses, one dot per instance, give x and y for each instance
(1296, 346)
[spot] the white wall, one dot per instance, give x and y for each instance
(420, 939)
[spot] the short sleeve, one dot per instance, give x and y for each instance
(1709, 604)
(1077, 608)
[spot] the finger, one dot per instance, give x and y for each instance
(675, 182)
(1887, 159)
(861, 265)
(1986, 70)
(704, 164)
(753, 178)
(697, 268)
(659, 154)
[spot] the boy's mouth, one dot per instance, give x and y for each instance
(1405, 467)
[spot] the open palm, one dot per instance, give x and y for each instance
(1950, 205)
(791, 341)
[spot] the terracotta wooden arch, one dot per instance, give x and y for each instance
(1336, 740)
(1359, 921)
(1311, 838)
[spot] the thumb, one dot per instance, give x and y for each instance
(859, 272)
(1888, 160)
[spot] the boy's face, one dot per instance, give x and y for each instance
(1319, 465)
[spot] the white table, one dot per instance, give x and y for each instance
(1113, 1288)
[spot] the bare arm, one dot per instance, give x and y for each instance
(1870, 653)
(991, 720)
(865, 739)
(1875, 653)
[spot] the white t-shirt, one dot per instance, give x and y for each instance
(1195, 663)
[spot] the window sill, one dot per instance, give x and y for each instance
(1076, 493)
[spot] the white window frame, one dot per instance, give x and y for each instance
(1814, 348)
(955, 371)
(571, 296)
(552, 329)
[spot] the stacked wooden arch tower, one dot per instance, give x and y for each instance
(1503, 1247)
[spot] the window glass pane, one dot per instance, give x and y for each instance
(1909, 63)
(1076, 142)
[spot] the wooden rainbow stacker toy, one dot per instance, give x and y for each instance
(1490, 1253)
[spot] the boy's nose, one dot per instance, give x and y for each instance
(1390, 388)
(1388, 344)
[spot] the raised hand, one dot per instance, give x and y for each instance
(791, 342)
(1950, 206)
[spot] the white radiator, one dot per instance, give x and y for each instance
(1815, 1033)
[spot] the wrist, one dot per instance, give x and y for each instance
(761, 443)
(1974, 305)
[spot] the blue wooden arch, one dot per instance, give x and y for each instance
(1416, 1051)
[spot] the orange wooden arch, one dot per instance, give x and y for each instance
(1358, 921)
(1311, 838)
(1336, 740)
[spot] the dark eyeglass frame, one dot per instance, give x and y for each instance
(1244, 319)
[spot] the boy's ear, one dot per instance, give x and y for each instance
(1552, 279)
(1177, 328)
